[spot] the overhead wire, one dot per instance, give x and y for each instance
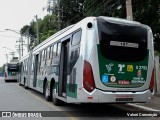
(92, 7)
(81, 12)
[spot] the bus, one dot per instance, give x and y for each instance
(97, 60)
(10, 72)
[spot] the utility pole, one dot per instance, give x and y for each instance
(28, 49)
(28, 36)
(129, 9)
(21, 40)
(7, 57)
(12, 53)
(59, 15)
(19, 49)
(37, 42)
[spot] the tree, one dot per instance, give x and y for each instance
(72, 11)
(47, 27)
(148, 12)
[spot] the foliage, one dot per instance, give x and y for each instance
(148, 12)
(2, 67)
(47, 27)
(156, 53)
(72, 11)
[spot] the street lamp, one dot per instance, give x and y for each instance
(13, 31)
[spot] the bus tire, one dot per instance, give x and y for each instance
(46, 92)
(20, 84)
(54, 99)
(25, 86)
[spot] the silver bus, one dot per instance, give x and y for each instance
(97, 60)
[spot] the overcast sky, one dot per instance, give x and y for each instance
(14, 14)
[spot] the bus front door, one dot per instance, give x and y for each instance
(35, 70)
(63, 68)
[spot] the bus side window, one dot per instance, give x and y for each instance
(54, 50)
(42, 56)
(51, 47)
(58, 49)
(32, 65)
(26, 65)
(75, 49)
(74, 57)
(48, 52)
(39, 61)
(45, 54)
(76, 38)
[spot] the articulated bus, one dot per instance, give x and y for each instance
(97, 60)
(11, 71)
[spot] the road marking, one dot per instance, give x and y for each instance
(49, 104)
(143, 107)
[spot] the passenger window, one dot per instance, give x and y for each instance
(32, 64)
(42, 55)
(26, 65)
(59, 49)
(54, 50)
(48, 52)
(76, 38)
(45, 54)
(39, 62)
(51, 51)
(74, 57)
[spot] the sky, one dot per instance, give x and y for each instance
(14, 14)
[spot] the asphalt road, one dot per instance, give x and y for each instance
(21, 102)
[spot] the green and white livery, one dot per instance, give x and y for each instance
(97, 60)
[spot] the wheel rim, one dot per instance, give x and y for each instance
(46, 91)
(54, 93)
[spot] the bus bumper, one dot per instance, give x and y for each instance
(10, 78)
(98, 96)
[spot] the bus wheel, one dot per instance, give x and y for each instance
(25, 85)
(20, 84)
(46, 92)
(54, 99)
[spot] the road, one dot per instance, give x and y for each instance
(16, 99)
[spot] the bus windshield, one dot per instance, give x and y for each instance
(12, 68)
(121, 42)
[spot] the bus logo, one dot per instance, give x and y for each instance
(109, 67)
(113, 79)
(121, 66)
(130, 68)
(105, 78)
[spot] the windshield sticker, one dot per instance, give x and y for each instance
(141, 67)
(124, 44)
(109, 67)
(121, 66)
(130, 68)
(105, 78)
(139, 73)
(124, 82)
(113, 79)
(138, 80)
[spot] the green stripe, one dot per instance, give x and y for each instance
(70, 92)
